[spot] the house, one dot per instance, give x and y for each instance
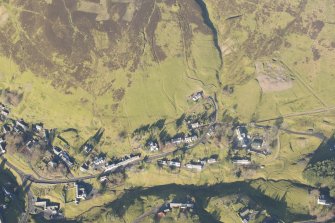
(195, 125)
(181, 205)
(22, 124)
(195, 166)
(2, 106)
(153, 146)
(80, 192)
(174, 164)
(103, 179)
(66, 158)
(17, 129)
(6, 128)
(190, 139)
(84, 167)
(5, 112)
(257, 143)
(2, 148)
(88, 148)
(37, 127)
(31, 143)
(56, 150)
(110, 167)
(198, 95)
(242, 161)
(242, 136)
(52, 164)
(163, 162)
(211, 160)
(323, 200)
(99, 160)
(177, 140)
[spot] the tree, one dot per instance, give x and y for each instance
(180, 120)
(15, 143)
(279, 121)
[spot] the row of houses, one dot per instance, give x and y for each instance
(153, 146)
(64, 156)
(189, 205)
(187, 139)
(174, 163)
(200, 164)
(122, 162)
(197, 165)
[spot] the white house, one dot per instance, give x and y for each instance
(80, 192)
(322, 200)
(241, 161)
(198, 166)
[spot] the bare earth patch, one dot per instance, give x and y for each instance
(272, 77)
(3, 15)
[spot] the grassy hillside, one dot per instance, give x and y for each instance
(133, 69)
(294, 36)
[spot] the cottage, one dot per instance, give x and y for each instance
(5, 112)
(242, 136)
(84, 167)
(6, 128)
(80, 192)
(17, 129)
(103, 179)
(22, 124)
(2, 148)
(66, 158)
(211, 160)
(100, 160)
(198, 95)
(88, 148)
(195, 166)
(56, 150)
(37, 127)
(153, 146)
(52, 164)
(110, 167)
(257, 143)
(181, 205)
(177, 140)
(29, 145)
(195, 125)
(191, 139)
(323, 200)
(242, 161)
(174, 164)
(162, 162)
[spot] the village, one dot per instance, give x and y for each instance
(247, 144)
